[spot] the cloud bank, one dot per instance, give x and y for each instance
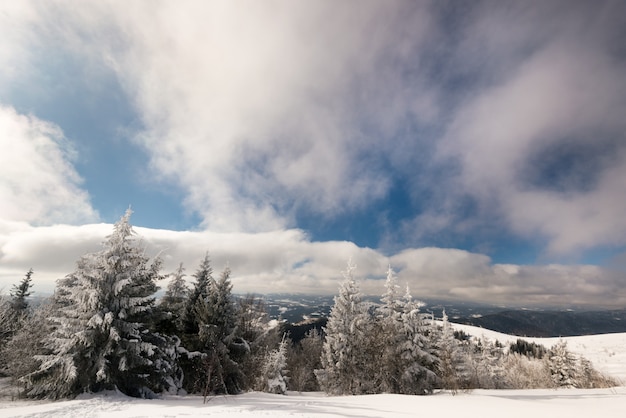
(286, 261)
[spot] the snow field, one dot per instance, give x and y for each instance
(571, 403)
(607, 352)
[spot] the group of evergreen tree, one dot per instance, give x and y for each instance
(392, 347)
(376, 349)
(103, 329)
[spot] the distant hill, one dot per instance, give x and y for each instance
(532, 323)
(303, 312)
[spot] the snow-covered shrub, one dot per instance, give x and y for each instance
(274, 373)
(563, 366)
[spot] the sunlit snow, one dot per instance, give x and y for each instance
(607, 352)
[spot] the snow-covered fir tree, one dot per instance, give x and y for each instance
(174, 301)
(487, 360)
(390, 336)
(18, 354)
(274, 372)
(345, 351)
(14, 311)
(224, 348)
(20, 292)
(101, 339)
(417, 357)
(406, 361)
(563, 365)
(202, 285)
(452, 366)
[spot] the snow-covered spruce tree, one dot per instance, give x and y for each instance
(487, 371)
(345, 351)
(570, 370)
(200, 292)
(224, 348)
(20, 292)
(101, 340)
(418, 360)
(452, 366)
(193, 358)
(14, 310)
(406, 361)
(563, 365)
(273, 377)
(174, 302)
(390, 336)
(18, 354)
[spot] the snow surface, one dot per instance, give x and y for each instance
(480, 403)
(607, 352)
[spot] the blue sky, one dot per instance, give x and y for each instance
(478, 145)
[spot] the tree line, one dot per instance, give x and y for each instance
(104, 329)
(392, 347)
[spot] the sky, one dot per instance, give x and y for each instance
(479, 148)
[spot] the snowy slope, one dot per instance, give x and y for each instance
(607, 352)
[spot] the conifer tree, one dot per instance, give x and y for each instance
(20, 292)
(487, 361)
(14, 310)
(452, 364)
(101, 340)
(390, 336)
(406, 362)
(344, 351)
(224, 348)
(563, 365)
(174, 302)
(418, 359)
(200, 292)
(28, 341)
(274, 372)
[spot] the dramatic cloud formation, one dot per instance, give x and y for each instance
(543, 145)
(286, 127)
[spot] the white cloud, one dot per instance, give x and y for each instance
(287, 261)
(460, 275)
(259, 109)
(15, 19)
(543, 146)
(37, 181)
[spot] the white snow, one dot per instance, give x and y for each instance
(607, 352)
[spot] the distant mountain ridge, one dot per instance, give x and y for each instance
(304, 312)
(530, 323)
